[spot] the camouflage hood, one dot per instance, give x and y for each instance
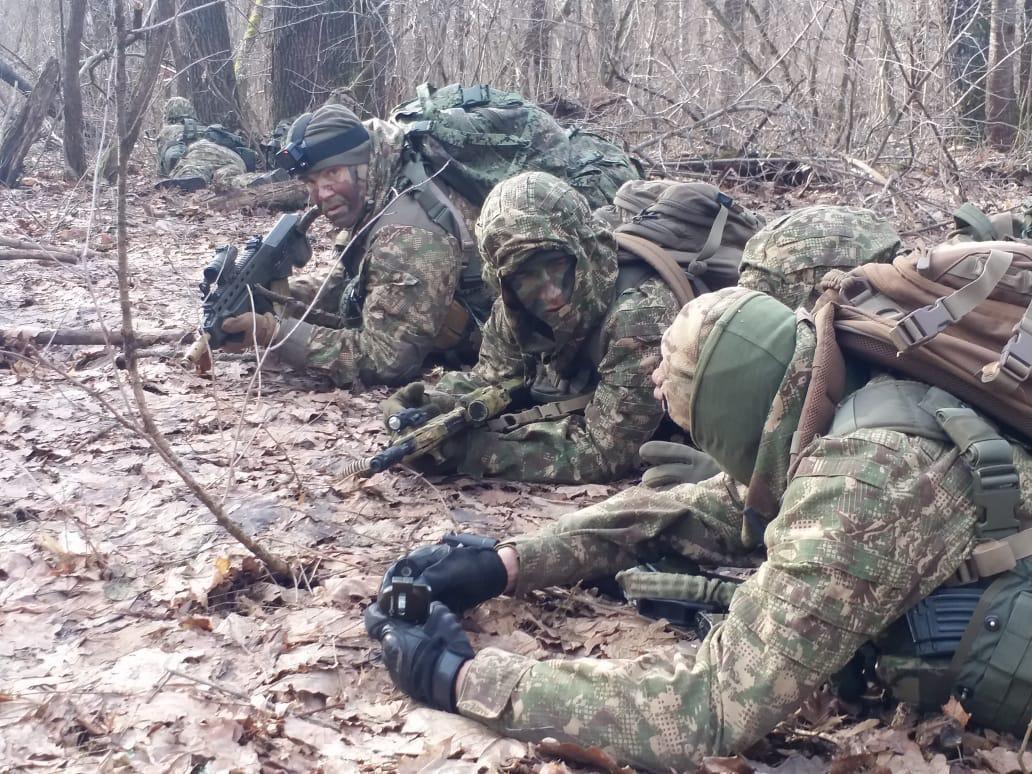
(535, 212)
(745, 424)
(385, 161)
(178, 108)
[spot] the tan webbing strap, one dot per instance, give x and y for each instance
(562, 408)
(716, 234)
(1015, 363)
(668, 269)
(927, 322)
(994, 557)
(827, 379)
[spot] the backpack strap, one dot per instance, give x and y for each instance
(436, 204)
(668, 269)
(926, 322)
(973, 221)
(1015, 363)
(716, 233)
(561, 408)
(827, 377)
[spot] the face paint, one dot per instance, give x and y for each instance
(543, 286)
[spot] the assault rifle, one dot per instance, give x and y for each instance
(232, 284)
(425, 430)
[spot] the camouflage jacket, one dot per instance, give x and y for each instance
(601, 445)
(870, 521)
(405, 273)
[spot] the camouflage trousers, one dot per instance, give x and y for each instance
(208, 160)
(870, 523)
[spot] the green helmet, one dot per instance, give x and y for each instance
(177, 109)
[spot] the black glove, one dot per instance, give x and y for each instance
(462, 571)
(424, 660)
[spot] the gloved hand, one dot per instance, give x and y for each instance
(424, 660)
(675, 463)
(260, 328)
(416, 395)
(459, 576)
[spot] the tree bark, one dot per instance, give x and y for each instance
(74, 146)
(24, 129)
(1001, 100)
(317, 46)
(208, 57)
(9, 74)
(157, 42)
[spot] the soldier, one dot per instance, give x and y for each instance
(859, 524)
(188, 160)
(563, 325)
(407, 278)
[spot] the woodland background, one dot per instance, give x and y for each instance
(135, 633)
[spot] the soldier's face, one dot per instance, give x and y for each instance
(544, 285)
(338, 192)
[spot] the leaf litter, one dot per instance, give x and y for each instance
(136, 636)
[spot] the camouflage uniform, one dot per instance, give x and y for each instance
(180, 157)
(790, 255)
(405, 272)
(864, 524)
(608, 343)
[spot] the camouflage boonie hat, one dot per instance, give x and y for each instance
(788, 258)
(535, 212)
(178, 108)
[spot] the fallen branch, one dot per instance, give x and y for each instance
(289, 196)
(15, 254)
(54, 250)
(84, 337)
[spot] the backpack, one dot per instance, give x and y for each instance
(971, 224)
(956, 316)
(475, 137)
(630, 199)
(220, 135)
(598, 168)
(692, 236)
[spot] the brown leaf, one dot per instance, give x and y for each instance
(1000, 760)
(954, 709)
(731, 765)
(592, 756)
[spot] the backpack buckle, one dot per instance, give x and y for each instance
(996, 490)
(1016, 358)
(920, 326)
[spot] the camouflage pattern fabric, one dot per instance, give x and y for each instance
(178, 108)
(521, 218)
(210, 161)
(790, 255)
(869, 522)
(407, 272)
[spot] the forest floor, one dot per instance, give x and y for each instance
(135, 635)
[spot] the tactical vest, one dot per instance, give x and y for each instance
(424, 204)
(972, 637)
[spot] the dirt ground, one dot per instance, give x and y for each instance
(135, 635)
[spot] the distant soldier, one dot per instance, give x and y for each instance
(192, 155)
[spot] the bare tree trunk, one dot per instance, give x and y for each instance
(849, 65)
(207, 53)
(24, 129)
(536, 49)
(157, 42)
(74, 146)
(1001, 101)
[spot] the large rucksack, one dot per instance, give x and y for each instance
(598, 168)
(955, 316)
(692, 236)
(475, 137)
